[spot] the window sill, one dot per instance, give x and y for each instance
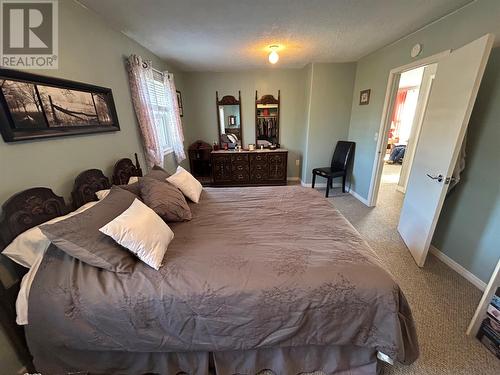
(168, 151)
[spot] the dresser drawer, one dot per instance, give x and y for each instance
(242, 158)
(241, 177)
(249, 168)
(260, 158)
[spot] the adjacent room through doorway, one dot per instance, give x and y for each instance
(408, 108)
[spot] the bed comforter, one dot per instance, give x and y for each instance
(255, 268)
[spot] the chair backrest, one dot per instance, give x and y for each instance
(342, 155)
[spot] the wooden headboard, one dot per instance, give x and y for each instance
(86, 185)
(28, 209)
(124, 169)
(21, 212)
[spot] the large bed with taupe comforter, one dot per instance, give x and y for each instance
(268, 278)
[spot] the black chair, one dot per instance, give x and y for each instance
(342, 156)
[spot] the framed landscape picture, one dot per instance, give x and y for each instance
(34, 107)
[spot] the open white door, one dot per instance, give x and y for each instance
(447, 115)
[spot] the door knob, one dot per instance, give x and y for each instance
(439, 178)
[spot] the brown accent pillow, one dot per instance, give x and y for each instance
(133, 188)
(158, 173)
(164, 199)
(79, 235)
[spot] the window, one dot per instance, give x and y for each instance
(159, 102)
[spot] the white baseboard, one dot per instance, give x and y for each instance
(359, 197)
(477, 282)
(319, 184)
(293, 178)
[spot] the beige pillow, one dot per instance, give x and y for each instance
(101, 194)
(189, 185)
(140, 230)
(133, 188)
(164, 199)
(132, 180)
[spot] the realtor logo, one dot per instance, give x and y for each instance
(29, 34)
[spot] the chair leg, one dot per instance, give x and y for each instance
(314, 180)
(328, 186)
(343, 182)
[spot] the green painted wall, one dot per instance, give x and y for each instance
(201, 112)
(372, 72)
(329, 94)
(91, 52)
(467, 235)
(469, 227)
(314, 114)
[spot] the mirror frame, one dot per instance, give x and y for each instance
(268, 99)
(228, 100)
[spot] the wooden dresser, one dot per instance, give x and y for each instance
(247, 168)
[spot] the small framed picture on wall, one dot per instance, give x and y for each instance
(179, 102)
(364, 97)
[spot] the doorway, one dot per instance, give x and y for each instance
(401, 174)
(445, 119)
(408, 107)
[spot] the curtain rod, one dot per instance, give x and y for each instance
(169, 75)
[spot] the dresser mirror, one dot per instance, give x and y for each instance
(267, 120)
(229, 121)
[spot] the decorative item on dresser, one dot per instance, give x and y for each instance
(247, 168)
(200, 162)
(124, 169)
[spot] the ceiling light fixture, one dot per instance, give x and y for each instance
(273, 56)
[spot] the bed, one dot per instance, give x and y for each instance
(267, 278)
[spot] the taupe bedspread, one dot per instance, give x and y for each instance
(254, 268)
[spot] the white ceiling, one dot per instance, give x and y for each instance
(221, 35)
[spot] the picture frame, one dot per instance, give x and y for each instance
(364, 97)
(179, 102)
(35, 107)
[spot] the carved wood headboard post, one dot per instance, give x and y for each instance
(21, 212)
(124, 169)
(86, 185)
(138, 166)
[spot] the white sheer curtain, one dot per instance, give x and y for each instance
(174, 119)
(155, 102)
(140, 73)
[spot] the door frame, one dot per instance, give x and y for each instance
(392, 83)
(423, 98)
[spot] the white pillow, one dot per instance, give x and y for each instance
(30, 245)
(101, 194)
(186, 183)
(142, 231)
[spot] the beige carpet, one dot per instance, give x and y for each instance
(442, 301)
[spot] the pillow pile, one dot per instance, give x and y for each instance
(98, 235)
